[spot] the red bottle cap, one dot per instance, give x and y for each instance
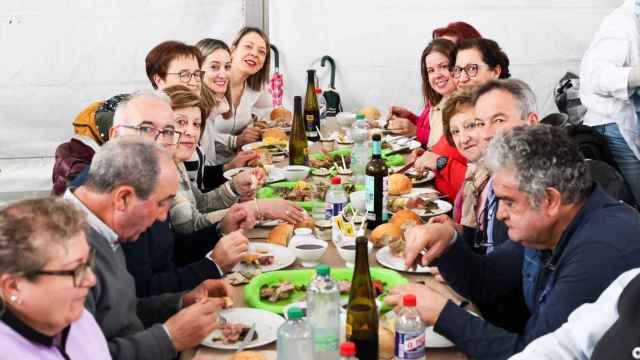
(347, 349)
(335, 180)
(409, 300)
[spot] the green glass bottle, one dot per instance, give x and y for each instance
(298, 146)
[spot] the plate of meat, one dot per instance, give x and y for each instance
(265, 257)
(238, 323)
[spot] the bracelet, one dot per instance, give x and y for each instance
(258, 212)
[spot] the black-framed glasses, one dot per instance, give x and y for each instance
(169, 135)
(79, 274)
(470, 69)
(186, 76)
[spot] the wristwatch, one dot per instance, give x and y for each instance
(441, 162)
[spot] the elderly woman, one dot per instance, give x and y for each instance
(250, 99)
(45, 276)
(461, 129)
(191, 210)
(477, 61)
(437, 85)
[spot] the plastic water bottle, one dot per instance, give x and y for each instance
(348, 351)
(335, 200)
(409, 339)
(323, 314)
(294, 337)
(360, 153)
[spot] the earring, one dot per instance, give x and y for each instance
(13, 298)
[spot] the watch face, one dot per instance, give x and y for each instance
(441, 162)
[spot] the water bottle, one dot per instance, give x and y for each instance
(295, 337)
(360, 153)
(348, 351)
(335, 200)
(323, 314)
(409, 339)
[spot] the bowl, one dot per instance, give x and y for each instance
(358, 201)
(347, 251)
(307, 248)
(323, 229)
(296, 172)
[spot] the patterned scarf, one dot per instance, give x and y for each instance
(475, 180)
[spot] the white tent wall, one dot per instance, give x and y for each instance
(377, 43)
(59, 56)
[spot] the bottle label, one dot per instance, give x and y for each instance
(312, 134)
(369, 187)
(332, 209)
(409, 345)
(325, 343)
(377, 148)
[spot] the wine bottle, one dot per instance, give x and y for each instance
(311, 109)
(362, 314)
(298, 146)
(376, 186)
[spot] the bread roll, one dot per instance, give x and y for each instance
(280, 234)
(273, 134)
(383, 233)
(405, 216)
(386, 343)
(248, 355)
(281, 113)
(370, 112)
(399, 184)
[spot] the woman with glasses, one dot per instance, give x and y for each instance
(437, 85)
(174, 63)
(45, 276)
(478, 61)
(191, 210)
(250, 99)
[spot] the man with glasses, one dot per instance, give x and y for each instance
(561, 254)
(130, 185)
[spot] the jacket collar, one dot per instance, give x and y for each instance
(31, 334)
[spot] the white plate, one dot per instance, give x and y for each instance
(269, 223)
(267, 324)
(257, 145)
(443, 208)
(434, 340)
(385, 258)
(430, 176)
(283, 257)
(275, 174)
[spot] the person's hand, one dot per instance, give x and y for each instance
(433, 237)
(230, 249)
(429, 302)
(237, 217)
(210, 288)
(248, 182)
(399, 111)
(415, 154)
(241, 159)
(436, 274)
(281, 209)
(401, 126)
(426, 161)
(248, 135)
(446, 219)
(191, 325)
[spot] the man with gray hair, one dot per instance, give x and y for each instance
(556, 216)
(130, 185)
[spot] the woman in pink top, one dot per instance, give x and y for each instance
(45, 275)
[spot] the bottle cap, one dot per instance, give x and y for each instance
(359, 116)
(335, 180)
(323, 270)
(347, 349)
(376, 137)
(318, 91)
(294, 313)
(409, 300)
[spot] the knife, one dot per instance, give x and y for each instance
(247, 339)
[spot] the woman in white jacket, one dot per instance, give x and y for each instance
(250, 99)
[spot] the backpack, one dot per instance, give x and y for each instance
(591, 143)
(567, 98)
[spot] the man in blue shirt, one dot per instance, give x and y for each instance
(562, 255)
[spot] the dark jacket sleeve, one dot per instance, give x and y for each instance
(213, 177)
(150, 260)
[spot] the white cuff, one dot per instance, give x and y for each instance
(210, 257)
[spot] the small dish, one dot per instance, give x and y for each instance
(347, 251)
(307, 248)
(323, 229)
(296, 172)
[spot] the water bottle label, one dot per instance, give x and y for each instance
(325, 343)
(369, 187)
(332, 209)
(409, 345)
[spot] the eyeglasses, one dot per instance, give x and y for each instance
(169, 135)
(470, 69)
(186, 76)
(79, 274)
